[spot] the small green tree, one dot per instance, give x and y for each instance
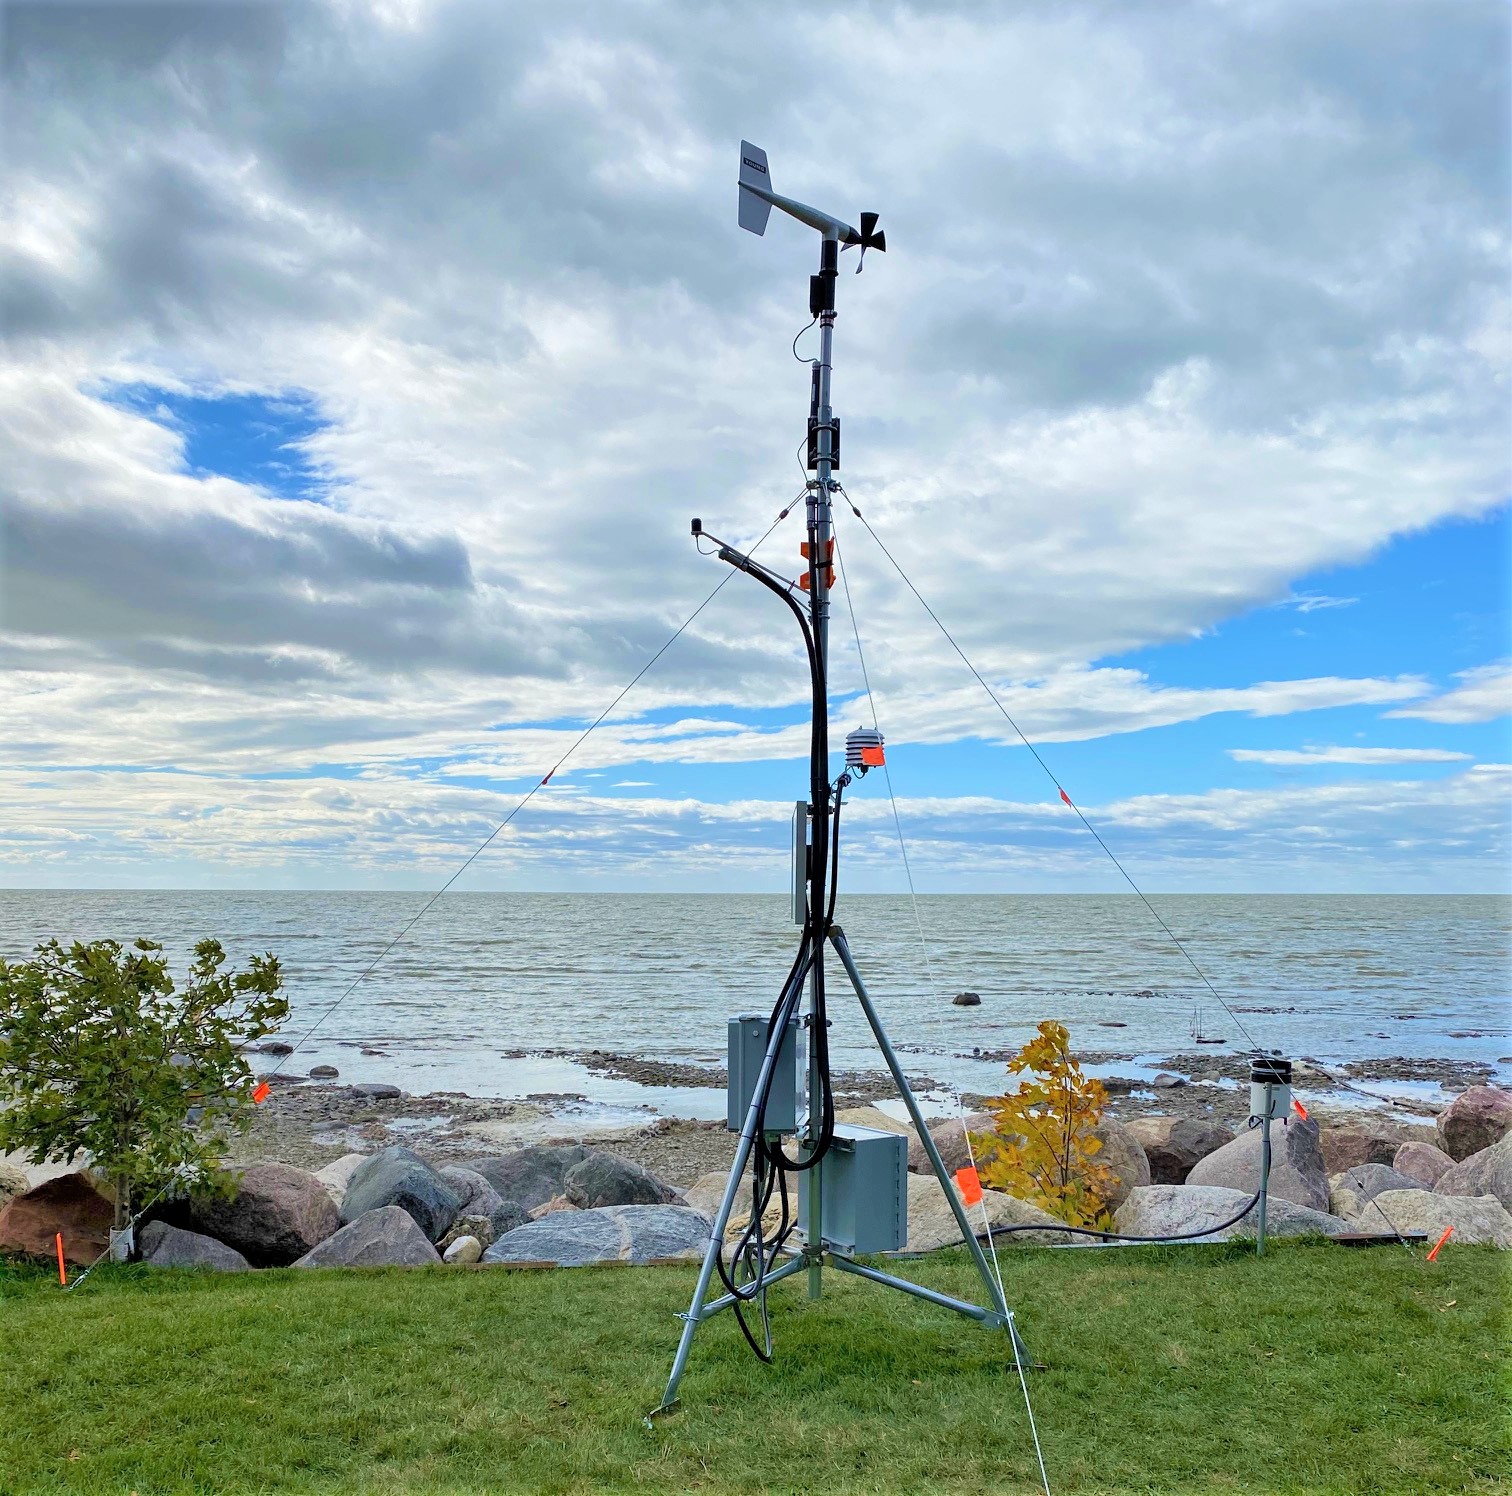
(100, 1055)
(1044, 1144)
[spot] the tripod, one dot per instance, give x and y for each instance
(808, 600)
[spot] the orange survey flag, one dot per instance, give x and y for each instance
(260, 1095)
(969, 1184)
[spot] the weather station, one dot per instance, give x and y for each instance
(851, 1182)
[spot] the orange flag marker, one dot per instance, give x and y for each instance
(1448, 1232)
(260, 1095)
(1299, 1109)
(62, 1271)
(969, 1184)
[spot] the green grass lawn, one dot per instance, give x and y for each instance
(1315, 1369)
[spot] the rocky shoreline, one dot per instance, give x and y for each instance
(310, 1122)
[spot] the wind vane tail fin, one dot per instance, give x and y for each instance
(754, 210)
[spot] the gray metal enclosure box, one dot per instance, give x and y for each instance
(748, 1043)
(863, 1191)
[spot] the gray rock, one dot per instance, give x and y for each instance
(1351, 1191)
(277, 1214)
(1349, 1147)
(273, 1046)
(478, 1196)
(398, 1177)
(378, 1091)
(471, 1225)
(386, 1237)
(1174, 1209)
(1122, 1154)
(166, 1246)
(1165, 1081)
(1488, 1172)
(603, 1179)
(1482, 1221)
(337, 1174)
(1422, 1162)
(466, 1249)
(506, 1218)
(967, 1000)
(1175, 1145)
(530, 1176)
(1297, 1172)
(13, 1182)
(1474, 1120)
(614, 1233)
(324, 1072)
(950, 1139)
(932, 1223)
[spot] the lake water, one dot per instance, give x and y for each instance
(657, 975)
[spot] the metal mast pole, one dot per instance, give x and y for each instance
(820, 534)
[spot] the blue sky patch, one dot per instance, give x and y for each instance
(254, 439)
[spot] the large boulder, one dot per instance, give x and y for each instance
(1122, 1154)
(387, 1237)
(481, 1199)
(398, 1177)
(477, 1195)
(530, 1176)
(1482, 1221)
(277, 1214)
(1422, 1162)
(1173, 1146)
(613, 1233)
(950, 1139)
(875, 1117)
(932, 1223)
(1297, 1172)
(30, 1223)
(1351, 1190)
(1488, 1172)
(708, 1190)
(1166, 1210)
(1474, 1120)
(13, 1182)
(166, 1246)
(603, 1179)
(1350, 1147)
(337, 1174)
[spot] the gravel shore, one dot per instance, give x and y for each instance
(310, 1123)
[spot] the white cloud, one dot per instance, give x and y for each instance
(1485, 695)
(1187, 335)
(1316, 602)
(398, 831)
(1346, 755)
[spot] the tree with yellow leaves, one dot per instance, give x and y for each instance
(1044, 1144)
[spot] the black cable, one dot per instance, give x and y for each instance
(1254, 1200)
(834, 888)
(798, 335)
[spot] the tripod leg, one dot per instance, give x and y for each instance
(722, 1216)
(994, 1293)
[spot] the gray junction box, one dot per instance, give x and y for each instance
(863, 1191)
(748, 1045)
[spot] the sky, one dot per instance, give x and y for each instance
(365, 361)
